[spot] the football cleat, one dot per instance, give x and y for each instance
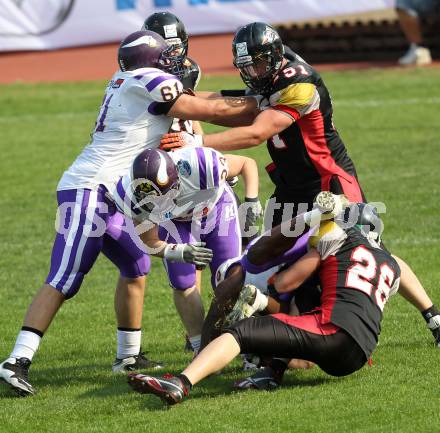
(135, 363)
(330, 205)
(245, 305)
(264, 379)
(169, 389)
(434, 327)
(14, 372)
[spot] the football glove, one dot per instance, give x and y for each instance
(176, 140)
(195, 253)
(254, 210)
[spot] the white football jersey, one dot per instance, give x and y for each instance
(202, 174)
(128, 122)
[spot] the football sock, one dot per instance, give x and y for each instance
(129, 342)
(312, 217)
(261, 301)
(186, 382)
(27, 343)
(195, 343)
(430, 312)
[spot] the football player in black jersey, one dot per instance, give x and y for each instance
(307, 152)
(357, 277)
(172, 29)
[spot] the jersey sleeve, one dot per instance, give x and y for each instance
(296, 99)
(164, 88)
(329, 238)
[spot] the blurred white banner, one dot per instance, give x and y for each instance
(49, 24)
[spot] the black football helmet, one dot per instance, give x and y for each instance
(364, 217)
(258, 54)
(171, 29)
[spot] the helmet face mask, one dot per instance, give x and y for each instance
(258, 54)
(154, 184)
(172, 63)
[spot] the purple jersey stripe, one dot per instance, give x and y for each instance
(138, 77)
(202, 167)
(156, 81)
(214, 168)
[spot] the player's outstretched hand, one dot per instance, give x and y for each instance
(176, 140)
(197, 254)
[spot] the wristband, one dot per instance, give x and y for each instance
(174, 252)
(251, 200)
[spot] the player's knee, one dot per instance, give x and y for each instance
(69, 286)
(182, 283)
(184, 293)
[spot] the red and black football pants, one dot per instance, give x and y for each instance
(333, 350)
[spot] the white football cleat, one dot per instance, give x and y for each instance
(14, 372)
(416, 56)
(330, 205)
(434, 327)
(245, 305)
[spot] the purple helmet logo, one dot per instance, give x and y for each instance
(147, 49)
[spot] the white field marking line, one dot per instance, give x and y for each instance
(366, 103)
(416, 241)
(59, 115)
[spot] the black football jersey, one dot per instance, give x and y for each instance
(310, 151)
(357, 277)
(192, 74)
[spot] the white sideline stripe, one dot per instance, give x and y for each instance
(88, 225)
(70, 238)
(367, 103)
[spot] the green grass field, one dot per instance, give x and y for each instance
(389, 120)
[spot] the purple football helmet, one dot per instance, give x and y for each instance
(154, 183)
(147, 49)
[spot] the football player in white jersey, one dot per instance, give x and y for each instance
(138, 107)
(199, 207)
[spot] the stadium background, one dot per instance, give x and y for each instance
(388, 118)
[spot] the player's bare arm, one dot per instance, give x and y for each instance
(295, 275)
(222, 111)
(184, 253)
(246, 168)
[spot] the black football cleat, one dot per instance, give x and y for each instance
(434, 327)
(169, 388)
(135, 363)
(15, 372)
(263, 379)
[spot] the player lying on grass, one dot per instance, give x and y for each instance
(308, 154)
(356, 276)
(139, 105)
(195, 205)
